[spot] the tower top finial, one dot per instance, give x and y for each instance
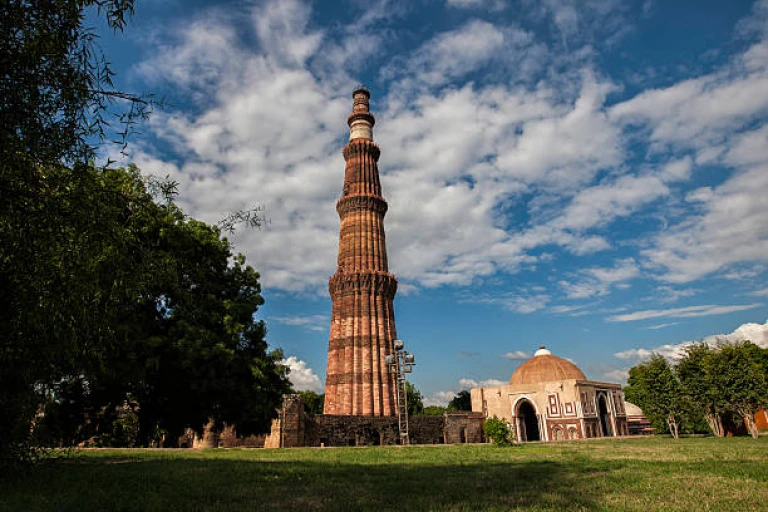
(360, 88)
(361, 120)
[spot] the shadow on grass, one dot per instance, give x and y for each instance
(215, 484)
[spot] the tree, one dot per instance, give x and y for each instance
(737, 369)
(414, 400)
(184, 345)
(461, 402)
(108, 298)
(313, 402)
(56, 89)
(190, 348)
(695, 371)
(55, 303)
(654, 387)
(434, 410)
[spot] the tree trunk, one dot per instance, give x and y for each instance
(749, 422)
(715, 423)
(673, 427)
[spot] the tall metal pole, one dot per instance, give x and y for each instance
(400, 363)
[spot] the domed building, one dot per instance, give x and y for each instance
(549, 398)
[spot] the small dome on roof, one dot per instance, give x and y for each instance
(544, 367)
(632, 409)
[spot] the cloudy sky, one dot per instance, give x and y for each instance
(591, 175)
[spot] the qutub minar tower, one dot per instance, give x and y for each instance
(362, 290)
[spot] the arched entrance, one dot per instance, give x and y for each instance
(527, 422)
(605, 416)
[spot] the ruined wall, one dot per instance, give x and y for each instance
(463, 427)
(294, 427)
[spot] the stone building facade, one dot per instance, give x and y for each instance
(550, 399)
(294, 427)
(362, 330)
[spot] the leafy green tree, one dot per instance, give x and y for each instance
(654, 387)
(108, 298)
(188, 348)
(434, 410)
(737, 369)
(461, 402)
(695, 371)
(182, 345)
(313, 402)
(55, 302)
(414, 400)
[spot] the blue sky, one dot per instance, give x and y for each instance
(590, 175)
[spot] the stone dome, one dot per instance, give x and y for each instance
(544, 367)
(632, 409)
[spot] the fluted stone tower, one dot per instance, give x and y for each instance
(363, 320)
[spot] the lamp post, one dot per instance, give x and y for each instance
(400, 363)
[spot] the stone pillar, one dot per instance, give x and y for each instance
(362, 290)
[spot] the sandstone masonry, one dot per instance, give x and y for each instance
(362, 290)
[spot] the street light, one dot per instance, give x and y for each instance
(400, 363)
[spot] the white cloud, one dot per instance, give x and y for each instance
(659, 326)
(730, 229)
(454, 54)
(685, 312)
(519, 303)
(670, 294)
(311, 322)
(756, 333)
(597, 281)
(616, 375)
(455, 155)
(302, 377)
(441, 398)
(491, 5)
(517, 355)
(282, 31)
(488, 383)
(695, 113)
(579, 22)
(760, 293)
(668, 351)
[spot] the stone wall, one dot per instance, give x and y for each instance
(294, 427)
(463, 427)
(227, 438)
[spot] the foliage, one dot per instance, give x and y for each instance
(654, 387)
(739, 370)
(189, 348)
(57, 86)
(313, 402)
(461, 402)
(55, 303)
(175, 335)
(434, 410)
(695, 373)
(497, 431)
(725, 384)
(107, 297)
(414, 400)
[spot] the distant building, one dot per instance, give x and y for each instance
(549, 398)
(638, 424)
(761, 419)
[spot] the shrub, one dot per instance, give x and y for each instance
(498, 432)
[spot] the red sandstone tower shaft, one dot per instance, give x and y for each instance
(363, 320)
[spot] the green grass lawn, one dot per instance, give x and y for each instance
(629, 474)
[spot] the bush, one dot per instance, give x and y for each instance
(498, 432)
